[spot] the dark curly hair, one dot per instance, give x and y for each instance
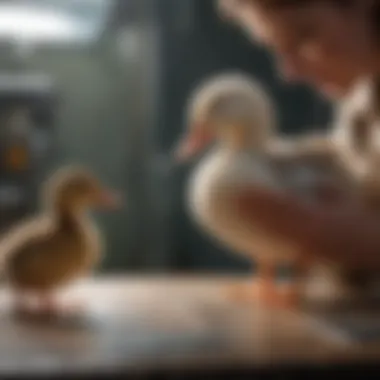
(230, 8)
(226, 5)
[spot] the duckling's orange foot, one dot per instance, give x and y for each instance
(22, 309)
(54, 309)
(73, 308)
(49, 308)
(21, 305)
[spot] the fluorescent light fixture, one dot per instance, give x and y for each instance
(46, 23)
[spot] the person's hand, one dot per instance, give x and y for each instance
(281, 215)
(345, 234)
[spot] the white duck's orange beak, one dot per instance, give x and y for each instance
(193, 143)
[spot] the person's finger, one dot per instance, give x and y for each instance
(351, 237)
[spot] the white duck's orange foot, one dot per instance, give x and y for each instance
(269, 295)
(52, 308)
(47, 308)
(243, 293)
(23, 309)
(21, 305)
(290, 298)
(262, 292)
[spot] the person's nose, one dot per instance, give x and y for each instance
(302, 65)
(291, 69)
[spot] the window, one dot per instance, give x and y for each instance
(53, 21)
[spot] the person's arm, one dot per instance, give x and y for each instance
(347, 235)
(370, 183)
(317, 145)
(317, 152)
(282, 215)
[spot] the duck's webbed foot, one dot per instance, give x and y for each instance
(293, 294)
(265, 290)
(291, 297)
(244, 292)
(261, 289)
(21, 305)
(50, 306)
(268, 292)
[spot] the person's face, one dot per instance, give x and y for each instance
(320, 44)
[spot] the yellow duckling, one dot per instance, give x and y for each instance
(58, 246)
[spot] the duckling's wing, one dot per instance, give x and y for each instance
(42, 262)
(27, 232)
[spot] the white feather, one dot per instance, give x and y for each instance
(218, 179)
(235, 100)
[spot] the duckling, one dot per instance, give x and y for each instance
(59, 245)
(236, 111)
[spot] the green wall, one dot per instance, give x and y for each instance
(114, 118)
(105, 112)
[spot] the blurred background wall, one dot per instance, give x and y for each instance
(121, 89)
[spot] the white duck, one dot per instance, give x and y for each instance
(236, 111)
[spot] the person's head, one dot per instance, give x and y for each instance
(326, 43)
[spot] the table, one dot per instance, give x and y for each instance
(140, 325)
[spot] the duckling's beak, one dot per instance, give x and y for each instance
(192, 143)
(109, 199)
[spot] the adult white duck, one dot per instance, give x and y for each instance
(234, 110)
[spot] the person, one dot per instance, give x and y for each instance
(330, 45)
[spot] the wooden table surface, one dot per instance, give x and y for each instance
(149, 323)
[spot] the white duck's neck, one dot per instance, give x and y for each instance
(243, 144)
(64, 214)
(242, 138)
